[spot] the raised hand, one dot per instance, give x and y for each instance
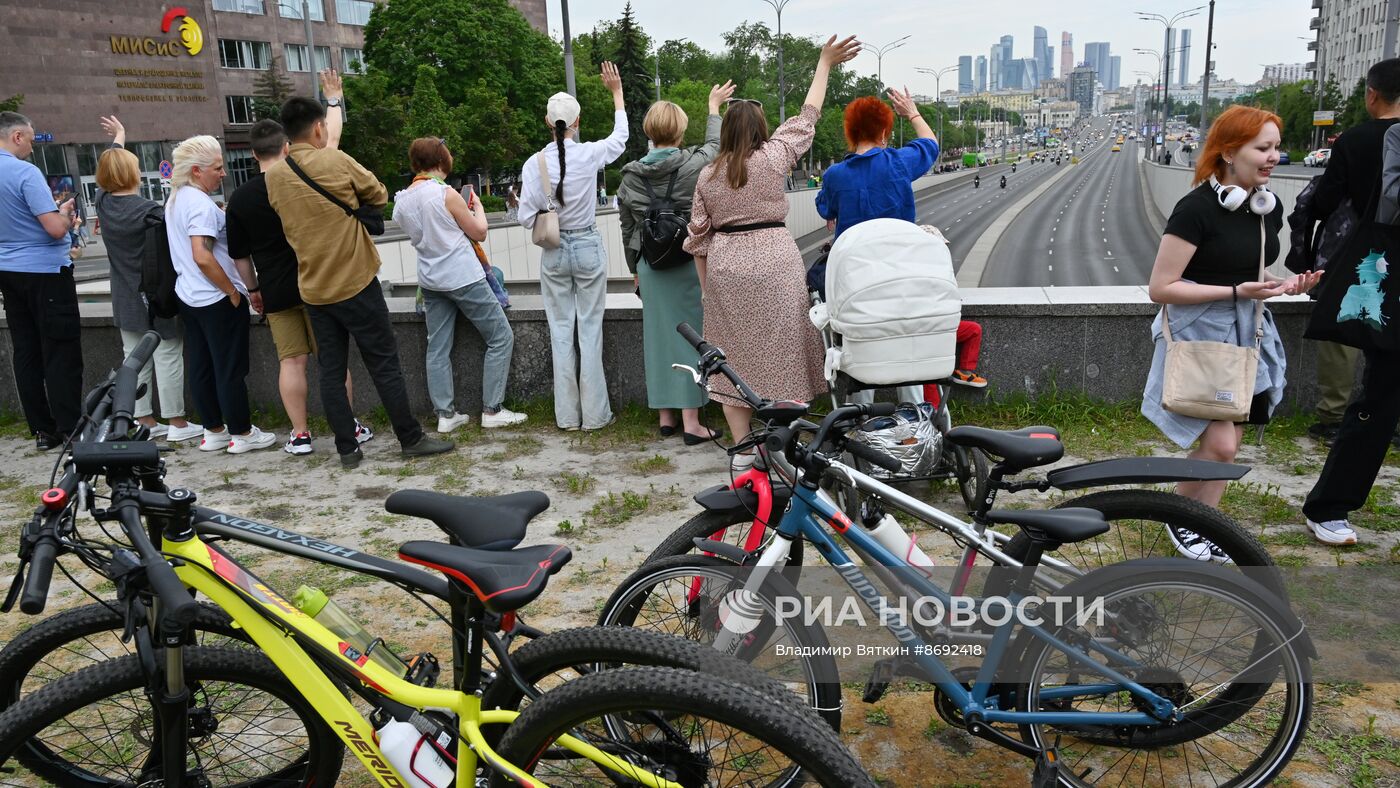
(904, 105)
(114, 129)
(835, 52)
(611, 79)
(330, 83)
(720, 94)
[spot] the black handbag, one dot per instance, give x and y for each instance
(1358, 301)
(372, 217)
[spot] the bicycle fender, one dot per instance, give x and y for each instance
(1143, 470)
(724, 550)
(722, 498)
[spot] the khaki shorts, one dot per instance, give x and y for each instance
(291, 332)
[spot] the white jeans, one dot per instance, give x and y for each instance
(169, 364)
(574, 283)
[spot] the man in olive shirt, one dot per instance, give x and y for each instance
(337, 273)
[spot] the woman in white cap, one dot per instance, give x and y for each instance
(574, 277)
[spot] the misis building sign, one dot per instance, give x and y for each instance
(190, 41)
(169, 82)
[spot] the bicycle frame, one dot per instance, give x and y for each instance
(809, 514)
(287, 636)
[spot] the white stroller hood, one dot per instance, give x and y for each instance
(893, 304)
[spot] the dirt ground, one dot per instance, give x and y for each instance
(618, 492)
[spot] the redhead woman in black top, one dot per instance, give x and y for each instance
(1206, 276)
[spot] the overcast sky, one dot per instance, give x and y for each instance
(1248, 33)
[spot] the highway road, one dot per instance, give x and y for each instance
(1090, 229)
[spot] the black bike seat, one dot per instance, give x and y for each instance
(1053, 526)
(504, 580)
(1018, 449)
(497, 522)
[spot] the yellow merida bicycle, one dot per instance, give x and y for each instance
(283, 713)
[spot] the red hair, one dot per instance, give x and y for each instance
(1235, 127)
(868, 119)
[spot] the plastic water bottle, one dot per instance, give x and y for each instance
(413, 756)
(894, 538)
(313, 602)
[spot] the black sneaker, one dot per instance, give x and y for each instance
(47, 441)
(1192, 545)
(426, 446)
(1325, 432)
(352, 460)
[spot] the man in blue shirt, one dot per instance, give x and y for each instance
(36, 282)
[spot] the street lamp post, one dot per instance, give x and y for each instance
(778, 6)
(1168, 23)
(937, 74)
(310, 44)
(880, 53)
(568, 51)
(656, 75)
(1205, 78)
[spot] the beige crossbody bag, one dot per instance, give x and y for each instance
(545, 234)
(1213, 380)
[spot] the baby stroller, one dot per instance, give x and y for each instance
(887, 309)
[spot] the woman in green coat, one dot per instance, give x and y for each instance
(672, 295)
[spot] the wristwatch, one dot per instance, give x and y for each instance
(333, 102)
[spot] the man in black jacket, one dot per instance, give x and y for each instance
(1365, 430)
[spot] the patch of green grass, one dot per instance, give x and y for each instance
(564, 528)
(617, 509)
(1380, 512)
(650, 466)
(934, 727)
(515, 447)
(878, 716)
(1357, 757)
(575, 483)
(1249, 502)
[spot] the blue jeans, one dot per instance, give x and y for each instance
(574, 283)
(479, 304)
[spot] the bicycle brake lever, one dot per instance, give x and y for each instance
(694, 374)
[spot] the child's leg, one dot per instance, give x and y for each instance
(969, 344)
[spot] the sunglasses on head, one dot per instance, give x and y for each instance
(754, 102)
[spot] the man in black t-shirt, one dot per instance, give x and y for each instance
(269, 265)
(1369, 422)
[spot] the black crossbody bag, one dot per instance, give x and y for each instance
(370, 216)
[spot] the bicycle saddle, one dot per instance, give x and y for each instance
(504, 580)
(497, 522)
(1053, 527)
(1018, 449)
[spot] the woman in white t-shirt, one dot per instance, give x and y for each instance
(442, 225)
(213, 300)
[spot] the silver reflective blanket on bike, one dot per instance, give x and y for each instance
(909, 436)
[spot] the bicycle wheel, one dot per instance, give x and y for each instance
(686, 596)
(1140, 519)
(970, 470)
(74, 639)
(693, 729)
(249, 726)
(730, 527)
(1214, 642)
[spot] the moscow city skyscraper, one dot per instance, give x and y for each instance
(1066, 54)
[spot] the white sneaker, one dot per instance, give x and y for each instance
(363, 434)
(447, 424)
(1333, 532)
(255, 439)
(501, 418)
(214, 441)
(190, 430)
(159, 430)
(1196, 547)
(298, 443)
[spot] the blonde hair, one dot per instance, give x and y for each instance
(118, 171)
(201, 151)
(665, 124)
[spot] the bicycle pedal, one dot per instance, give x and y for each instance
(1047, 769)
(879, 682)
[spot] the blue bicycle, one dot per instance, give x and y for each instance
(1167, 671)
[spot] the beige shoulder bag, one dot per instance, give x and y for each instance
(1213, 380)
(546, 232)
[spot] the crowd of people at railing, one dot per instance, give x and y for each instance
(294, 244)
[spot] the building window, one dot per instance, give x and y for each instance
(291, 9)
(353, 12)
(240, 6)
(244, 54)
(352, 61)
(241, 166)
(49, 159)
(296, 57)
(240, 109)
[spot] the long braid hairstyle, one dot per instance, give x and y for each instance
(560, 129)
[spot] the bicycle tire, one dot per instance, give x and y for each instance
(618, 697)
(79, 636)
(1261, 663)
(970, 474)
(1154, 509)
(820, 678)
(314, 758)
(708, 525)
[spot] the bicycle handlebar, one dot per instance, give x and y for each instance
(36, 583)
(711, 356)
(124, 390)
(177, 607)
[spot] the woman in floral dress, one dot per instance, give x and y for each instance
(751, 272)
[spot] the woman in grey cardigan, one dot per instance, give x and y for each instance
(672, 295)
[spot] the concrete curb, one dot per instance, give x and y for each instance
(975, 265)
(1154, 216)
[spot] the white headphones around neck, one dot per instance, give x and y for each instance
(1261, 201)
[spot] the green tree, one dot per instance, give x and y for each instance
(13, 103)
(498, 133)
(271, 89)
(631, 60)
(375, 125)
(428, 115)
(1354, 113)
(693, 97)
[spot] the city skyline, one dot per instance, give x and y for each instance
(1247, 32)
